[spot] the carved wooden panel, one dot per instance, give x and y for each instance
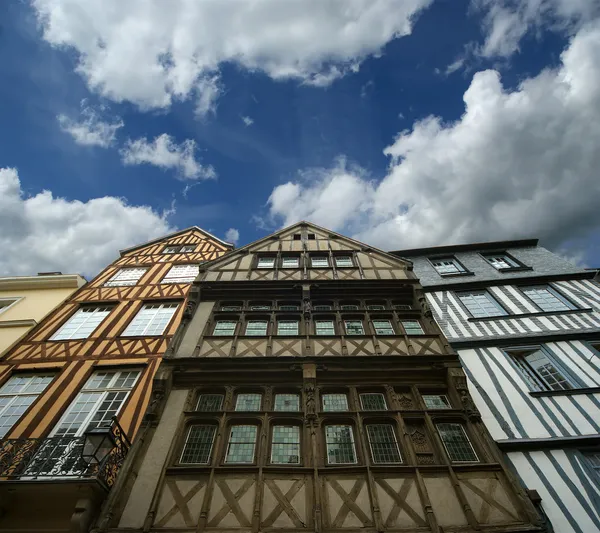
(232, 502)
(446, 505)
(287, 347)
(360, 346)
(347, 502)
(287, 502)
(393, 346)
(399, 502)
(180, 502)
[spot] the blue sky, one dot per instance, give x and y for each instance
(404, 124)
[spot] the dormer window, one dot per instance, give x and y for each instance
(502, 261)
(266, 262)
(171, 250)
(187, 248)
(448, 266)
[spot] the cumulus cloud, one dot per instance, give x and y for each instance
(152, 52)
(518, 163)
(248, 121)
(165, 153)
(91, 129)
(45, 233)
(232, 235)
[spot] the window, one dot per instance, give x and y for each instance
(182, 274)
(311, 236)
(457, 443)
(126, 276)
(171, 250)
(319, 261)
(349, 307)
(242, 442)
(287, 402)
(373, 401)
(340, 445)
(289, 307)
(594, 461)
(376, 307)
(209, 403)
(198, 445)
(322, 307)
(446, 266)
(501, 261)
(260, 307)
(285, 446)
(335, 402)
(412, 327)
(354, 327)
(383, 327)
(266, 262)
(152, 319)
(342, 261)
(231, 308)
(383, 443)
(547, 298)
(287, 327)
(225, 328)
(297, 237)
(17, 394)
(436, 401)
(290, 262)
(248, 402)
(402, 307)
(6, 303)
(187, 248)
(481, 304)
(324, 327)
(540, 370)
(256, 328)
(82, 323)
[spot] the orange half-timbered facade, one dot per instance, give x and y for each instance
(89, 367)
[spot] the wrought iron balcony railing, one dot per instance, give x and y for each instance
(60, 457)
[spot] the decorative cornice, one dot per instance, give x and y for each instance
(56, 281)
(28, 322)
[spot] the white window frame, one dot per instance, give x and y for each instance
(217, 333)
(100, 310)
(568, 304)
(184, 246)
(269, 266)
(317, 322)
(283, 332)
(290, 258)
(533, 376)
(171, 249)
(409, 331)
(157, 307)
(121, 279)
(444, 271)
(504, 257)
(345, 260)
(182, 273)
(263, 333)
(12, 302)
(318, 258)
(187, 439)
(479, 310)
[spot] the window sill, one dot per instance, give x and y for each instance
(457, 275)
(514, 269)
(567, 392)
(528, 315)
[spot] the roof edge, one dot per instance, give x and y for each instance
(491, 245)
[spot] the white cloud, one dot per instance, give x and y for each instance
(517, 164)
(165, 153)
(91, 129)
(232, 235)
(248, 121)
(44, 233)
(152, 52)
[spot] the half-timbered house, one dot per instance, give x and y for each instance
(74, 389)
(311, 390)
(526, 325)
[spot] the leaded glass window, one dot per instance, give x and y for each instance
(335, 402)
(375, 307)
(354, 327)
(383, 443)
(242, 443)
(343, 261)
(349, 307)
(210, 402)
(287, 402)
(182, 274)
(547, 298)
(290, 262)
(126, 277)
(383, 327)
(319, 262)
(260, 307)
(457, 443)
(231, 308)
(289, 307)
(340, 445)
(324, 327)
(266, 262)
(322, 307)
(481, 304)
(198, 445)
(541, 371)
(436, 401)
(285, 447)
(412, 327)
(248, 402)
(287, 327)
(373, 401)
(225, 328)
(82, 323)
(152, 319)
(256, 328)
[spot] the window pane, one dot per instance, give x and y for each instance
(82, 323)
(340, 445)
(375, 307)
(287, 327)
(287, 402)
(335, 402)
(225, 328)
(242, 441)
(319, 262)
(384, 447)
(152, 319)
(182, 274)
(248, 402)
(412, 327)
(501, 261)
(266, 262)
(373, 402)
(354, 327)
(547, 299)
(383, 327)
(447, 265)
(289, 307)
(456, 442)
(171, 250)
(547, 371)
(322, 307)
(436, 401)
(187, 248)
(324, 327)
(347, 307)
(198, 445)
(481, 304)
(285, 448)
(343, 261)
(256, 327)
(231, 308)
(260, 307)
(290, 262)
(210, 402)
(126, 276)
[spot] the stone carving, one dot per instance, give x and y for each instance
(405, 401)
(311, 402)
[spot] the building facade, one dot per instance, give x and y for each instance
(526, 325)
(26, 300)
(90, 361)
(311, 390)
